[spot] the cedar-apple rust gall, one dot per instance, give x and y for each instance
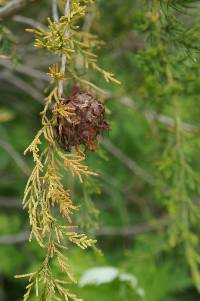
(84, 125)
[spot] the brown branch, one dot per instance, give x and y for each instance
(15, 238)
(10, 203)
(128, 162)
(104, 231)
(12, 7)
(16, 157)
(151, 115)
(22, 85)
(23, 69)
(132, 230)
(29, 21)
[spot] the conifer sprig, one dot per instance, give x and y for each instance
(171, 56)
(45, 187)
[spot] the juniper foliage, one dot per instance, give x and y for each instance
(45, 188)
(170, 63)
(151, 180)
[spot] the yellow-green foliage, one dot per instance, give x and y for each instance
(45, 188)
(62, 37)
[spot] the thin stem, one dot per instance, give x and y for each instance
(63, 57)
(55, 10)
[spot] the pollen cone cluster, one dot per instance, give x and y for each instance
(85, 124)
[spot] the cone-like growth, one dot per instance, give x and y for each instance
(85, 124)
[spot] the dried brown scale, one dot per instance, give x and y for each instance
(85, 125)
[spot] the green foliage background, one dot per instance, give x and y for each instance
(148, 164)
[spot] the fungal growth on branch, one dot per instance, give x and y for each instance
(84, 125)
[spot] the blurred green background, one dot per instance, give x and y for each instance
(126, 206)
